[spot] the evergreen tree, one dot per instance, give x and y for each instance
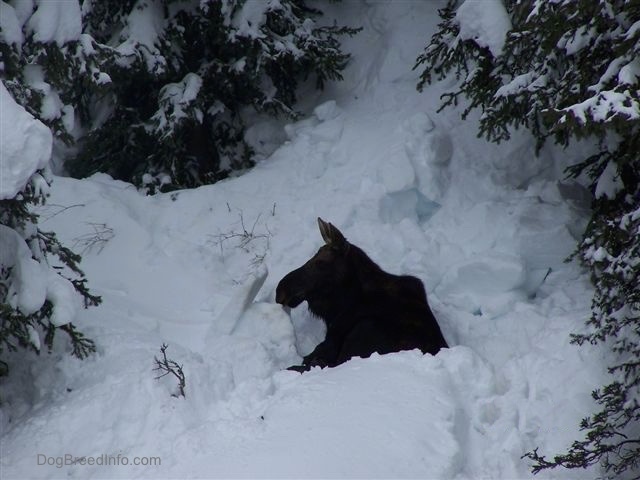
(157, 92)
(40, 281)
(567, 70)
(53, 70)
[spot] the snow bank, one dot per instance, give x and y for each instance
(25, 145)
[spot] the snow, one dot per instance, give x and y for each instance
(66, 301)
(609, 183)
(58, 21)
(175, 97)
(144, 25)
(605, 106)
(25, 145)
(10, 28)
(23, 10)
(51, 105)
(486, 22)
(630, 73)
(28, 289)
(486, 227)
(573, 43)
(250, 18)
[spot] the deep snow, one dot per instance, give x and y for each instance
(486, 227)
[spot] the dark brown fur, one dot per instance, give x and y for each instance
(366, 309)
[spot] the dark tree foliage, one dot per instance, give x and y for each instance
(19, 329)
(569, 69)
(160, 90)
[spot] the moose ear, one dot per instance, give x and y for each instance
(330, 234)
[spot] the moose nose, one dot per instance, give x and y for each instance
(280, 296)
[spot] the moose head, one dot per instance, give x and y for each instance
(327, 275)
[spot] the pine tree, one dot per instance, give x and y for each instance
(54, 73)
(164, 87)
(569, 70)
(40, 281)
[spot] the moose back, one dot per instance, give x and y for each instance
(366, 309)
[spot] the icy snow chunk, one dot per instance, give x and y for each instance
(485, 22)
(412, 204)
(10, 27)
(609, 183)
(29, 287)
(483, 282)
(59, 22)
(396, 173)
(487, 274)
(238, 305)
(25, 145)
(429, 151)
(519, 174)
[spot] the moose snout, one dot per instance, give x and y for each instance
(288, 292)
(281, 296)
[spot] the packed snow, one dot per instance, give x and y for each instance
(25, 145)
(487, 228)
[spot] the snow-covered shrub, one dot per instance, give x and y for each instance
(41, 286)
(158, 91)
(50, 67)
(567, 70)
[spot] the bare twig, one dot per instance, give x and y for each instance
(61, 208)
(97, 239)
(170, 367)
(244, 237)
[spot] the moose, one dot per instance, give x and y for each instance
(365, 309)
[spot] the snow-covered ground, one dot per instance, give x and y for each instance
(486, 227)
